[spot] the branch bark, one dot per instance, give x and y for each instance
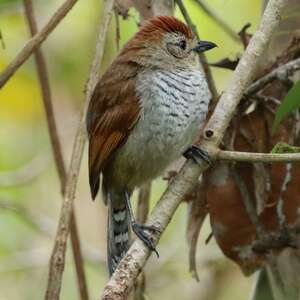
(36, 41)
(130, 266)
(283, 72)
(257, 157)
(56, 148)
(148, 8)
(57, 260)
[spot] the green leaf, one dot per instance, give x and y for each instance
(282, 147)
(289, 104)
(263, 288)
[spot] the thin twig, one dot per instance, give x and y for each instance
(265, 241)
(25, 173)
(248, 203)
(257, 157)
(133, 262)
(56, 147)
(187, 17)
(46, 95)
(2, 40)
(197, 212)
(78, 258)
(118, 32)
(36, 41)
(218, 19)
(283, 72)
(148, 8)
(46, 226)
(57, 260)
(203, 60)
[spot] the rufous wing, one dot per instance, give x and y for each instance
(113, 111)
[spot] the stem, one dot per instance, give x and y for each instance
(218, 19)
(257, 157)
(56, 147)
(283, 72)
(36, 41)
(57, 260)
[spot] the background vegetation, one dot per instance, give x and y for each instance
(29, 187)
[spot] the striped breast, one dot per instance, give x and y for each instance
(174, 107)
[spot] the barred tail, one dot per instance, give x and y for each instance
(118, 230)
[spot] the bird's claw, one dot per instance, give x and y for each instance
(139, 230)
(195, 153)
(151, 228)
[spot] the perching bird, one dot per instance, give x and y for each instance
(145, 113)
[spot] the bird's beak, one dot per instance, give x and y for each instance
(203, 46)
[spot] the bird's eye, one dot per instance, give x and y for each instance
(182, 44)
(178, 49)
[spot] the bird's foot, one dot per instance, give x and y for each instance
(140, 231)
(150, 228)
(197, 155)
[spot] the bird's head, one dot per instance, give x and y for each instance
(165, 42)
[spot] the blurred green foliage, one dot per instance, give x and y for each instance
(289, 105)
(285, 148)
(28, 223)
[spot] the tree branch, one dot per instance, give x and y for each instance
(46, 94)
(25, 173)
(36, 41)
(2, 40)
(46, 226)
(149, 8)
(130, 266)
(283, 72)
(57, 260)
(218, 19)
(257, 157)
(56, 148)
(248, 203)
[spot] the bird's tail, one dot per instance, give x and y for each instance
(118, 229)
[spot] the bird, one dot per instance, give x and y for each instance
(145, 112)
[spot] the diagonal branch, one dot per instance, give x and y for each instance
(56, 147)
(2, 40)
(130, 266)
(36, 41)
(57, 260)
(282, 72)
(247, 201)
(46, 94)
(218, 18)
(25, 173)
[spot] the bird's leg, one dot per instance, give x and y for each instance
(140, 230)
(197, 155)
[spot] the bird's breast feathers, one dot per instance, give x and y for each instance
(173, 108)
